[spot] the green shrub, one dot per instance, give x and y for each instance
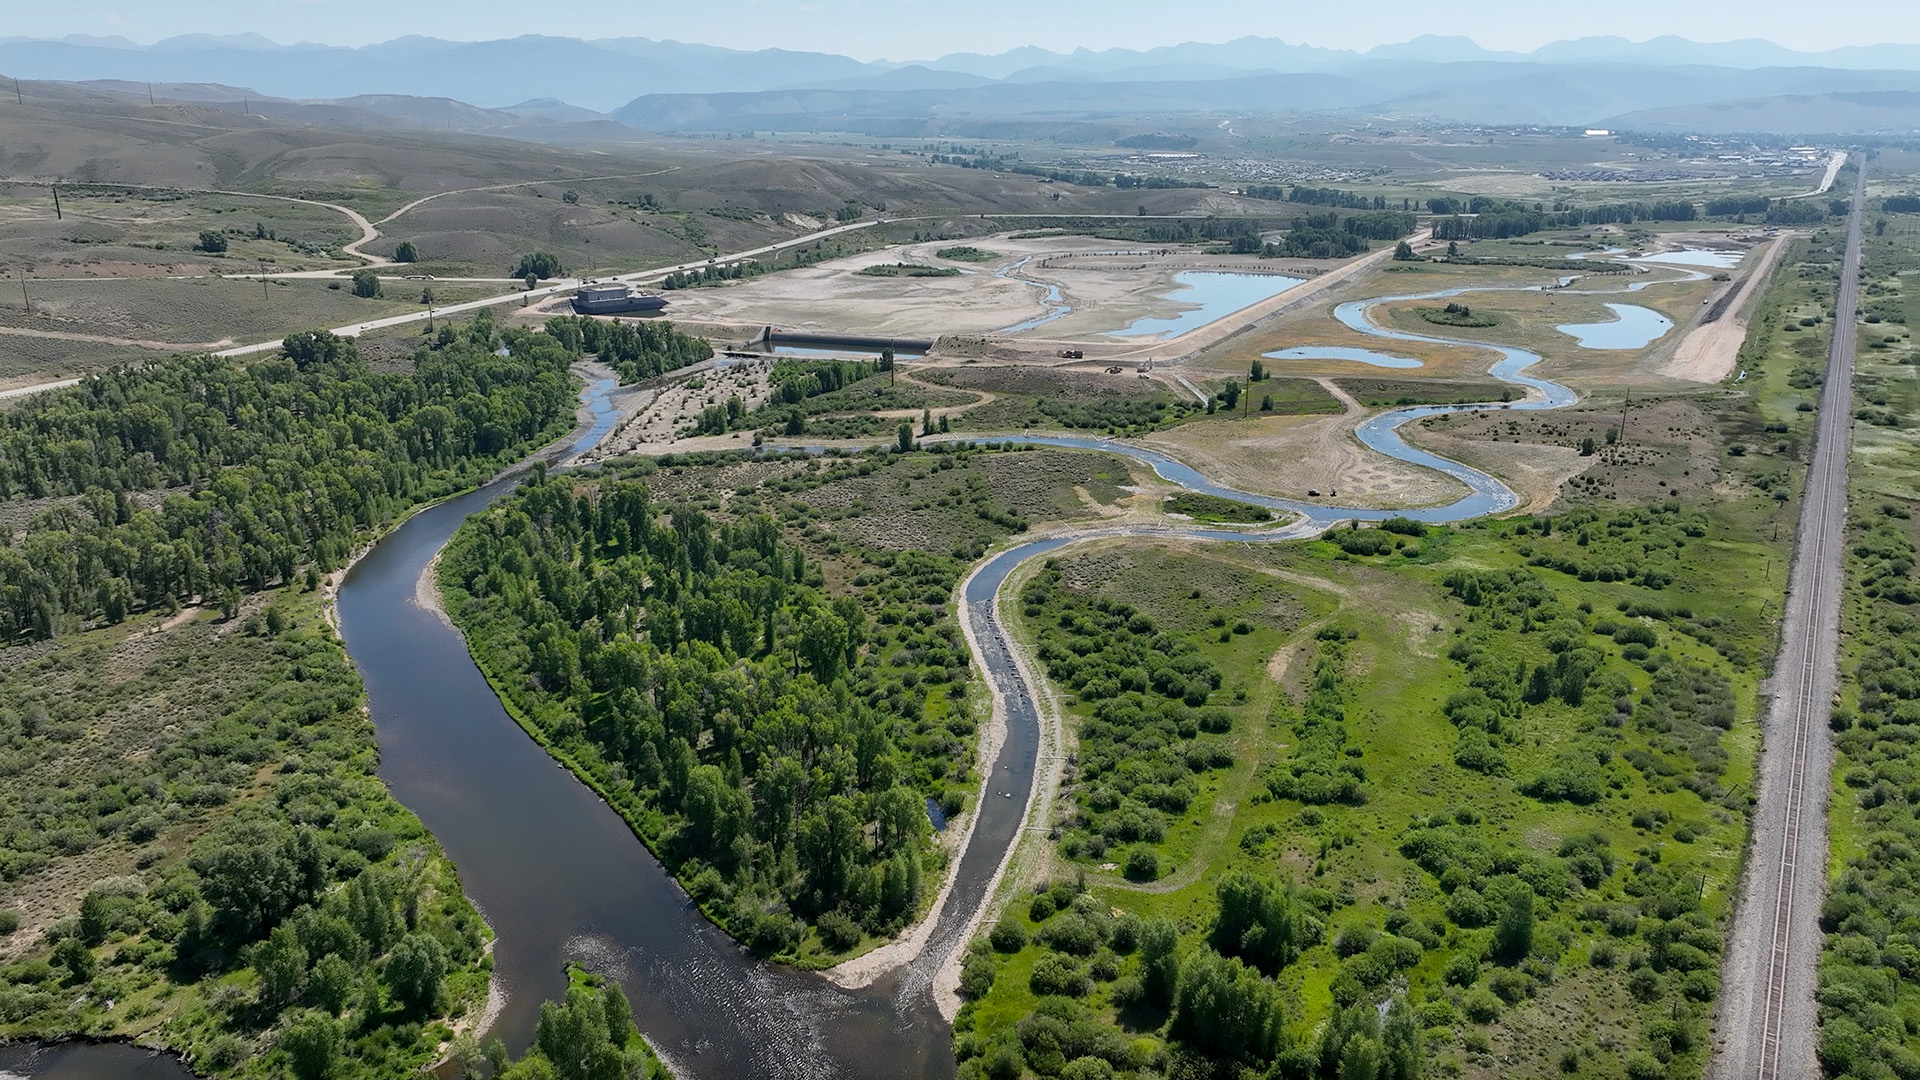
(1057, 973)
(1142, 864)
(1480, 1005)
(838, 932)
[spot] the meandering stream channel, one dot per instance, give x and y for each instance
(559, 875)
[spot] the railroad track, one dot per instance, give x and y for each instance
(1767, 1026)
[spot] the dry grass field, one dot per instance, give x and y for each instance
(195, 313)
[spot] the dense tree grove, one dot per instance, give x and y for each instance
(637, 350)
(1222, 1007)
(266, 468)
(587, 1036)
(540, 264)
(1318, 236)
(744, 720)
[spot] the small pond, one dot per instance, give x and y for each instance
(1343, 352)
(1633, 327)
(1218, 295)
(1707, 257)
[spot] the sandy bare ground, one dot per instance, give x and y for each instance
(1107, 284)
(833, 296)
(1288, 455)
(655, 418)
(1708, 352)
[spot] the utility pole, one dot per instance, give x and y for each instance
(16, 92)
(24, 300)
(149, 93)
(57, 215)
(1623, 417)
(263, 279)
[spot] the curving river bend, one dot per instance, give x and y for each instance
(558, 874)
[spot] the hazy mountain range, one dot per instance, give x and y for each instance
(537, 81)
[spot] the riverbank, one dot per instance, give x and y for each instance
(664, 940)
(912, 946)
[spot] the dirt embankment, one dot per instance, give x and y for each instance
(1709, 351)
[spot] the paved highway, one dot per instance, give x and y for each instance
(1768, 1022)
(23, 391)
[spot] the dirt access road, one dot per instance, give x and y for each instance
(1709, 351)
(1767, 1027)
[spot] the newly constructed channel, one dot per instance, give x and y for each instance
(1767, 1027)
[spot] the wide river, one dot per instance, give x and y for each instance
(559, 875)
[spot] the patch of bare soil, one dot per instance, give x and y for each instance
(657, 418)
(1292, 455)
(1708, 352)
(1669, 450)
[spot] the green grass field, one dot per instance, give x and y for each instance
(1260, 615)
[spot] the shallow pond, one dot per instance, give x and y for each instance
(1632, 327)
(1218, 294)
(1344, 352)
(1708, 257)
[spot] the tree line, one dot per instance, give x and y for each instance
(642, 349)
(1313, 196)
(1482, 218)
(258, 472)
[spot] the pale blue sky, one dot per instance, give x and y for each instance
(918, 29)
